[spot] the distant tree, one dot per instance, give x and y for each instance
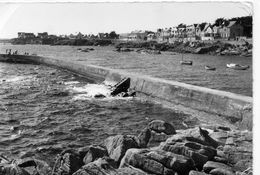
(181, 25)
(202, 25)
(219, 21)
(113, 35)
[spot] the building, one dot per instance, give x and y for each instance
(151, 36)
(216, 31)
(207, 32)
(191, 32)
(231, 31)
(42, 35)
(24, 35)
(163, 35)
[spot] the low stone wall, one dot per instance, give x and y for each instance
(235, 107)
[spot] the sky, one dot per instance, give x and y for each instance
(92, 18)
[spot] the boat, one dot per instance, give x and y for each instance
(237, 66)
(210, 68)
(186, 62)
(183, 62)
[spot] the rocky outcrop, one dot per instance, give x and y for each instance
(117, 146)
(195, 151)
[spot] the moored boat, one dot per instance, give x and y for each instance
(210, 68)
(237, 66)
(186, 62)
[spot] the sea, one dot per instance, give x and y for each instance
(45, 110)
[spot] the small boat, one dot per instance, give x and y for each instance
(186, 62)
(210, 68)
(237, 66)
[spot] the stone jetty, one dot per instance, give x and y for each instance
(158, 150)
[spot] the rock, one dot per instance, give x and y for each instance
(197, 173)
(138, 158)
(41, 167)
(99, 96)
(197, 135)
(220, 159)
(144, 137)
(180, 148)
(94, 153)
(101, 166)
(117, 145)
(220, 171)
(156, 138)
(208, 151)
(178, 163)
(210, 165)
(11, 169)
(242, 165)
(104, 166)
(67, 162)
(161, 126)
(203, 50)
(130, 170)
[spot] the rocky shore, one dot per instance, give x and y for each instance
(195, 47)
(159, 149)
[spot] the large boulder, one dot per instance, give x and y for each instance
(94, 153)
(34, 165)
(138, 158)
(161, 126)
(180, 148)
(67, 162)
(144, 137)
(117, 145)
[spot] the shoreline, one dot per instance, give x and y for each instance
(215, 47)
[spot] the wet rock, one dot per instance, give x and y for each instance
(117, 145)
(161, 126)
(220, 171)
(67, 162)
(210, 165)
(94, 153)
(144, 137)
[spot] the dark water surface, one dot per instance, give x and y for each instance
(41, 115)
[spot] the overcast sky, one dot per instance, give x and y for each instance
(66, 18)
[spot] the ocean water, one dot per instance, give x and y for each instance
(44, 110)
(166, 65)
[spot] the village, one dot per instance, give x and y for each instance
(234, 29)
